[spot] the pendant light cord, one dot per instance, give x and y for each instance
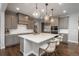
(36, 6)
(52, 11)
(46, 7)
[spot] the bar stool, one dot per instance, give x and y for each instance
(48, 48)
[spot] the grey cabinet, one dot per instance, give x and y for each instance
(63, 22)
(21, 44)
(10, 20)
(11, 40)
(30, 24)
(25, 20)
(65, 38)
(14, 22)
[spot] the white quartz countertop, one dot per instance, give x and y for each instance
(64, 31)
(38, 38)
(19, 30)
(15, 32)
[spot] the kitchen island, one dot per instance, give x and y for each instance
(29, 44)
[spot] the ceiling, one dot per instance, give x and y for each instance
(29, 8)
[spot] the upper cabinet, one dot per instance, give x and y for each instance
(25, 20)
(63, 22)
(10, 20)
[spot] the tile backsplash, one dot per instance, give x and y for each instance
(20, 29)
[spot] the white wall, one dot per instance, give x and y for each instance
(2, 25)
(0, 6)
(2, 31)
(73, 28)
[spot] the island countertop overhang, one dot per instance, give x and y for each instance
(38, 38)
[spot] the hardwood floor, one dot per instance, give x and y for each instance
(68, 49)
(11, 51)
(64, 49)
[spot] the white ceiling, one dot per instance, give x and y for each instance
(29, 8)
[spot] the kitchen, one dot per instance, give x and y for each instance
(19, 26)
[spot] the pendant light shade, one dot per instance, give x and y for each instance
(52, 19)
(46, 18)
(36, 13)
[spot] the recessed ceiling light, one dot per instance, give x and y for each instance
(17, 8)
(42, 10)
(64, 11)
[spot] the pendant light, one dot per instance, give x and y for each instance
(46, 18)
(52, 19)
(36, 13)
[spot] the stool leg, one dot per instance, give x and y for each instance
(39, 51)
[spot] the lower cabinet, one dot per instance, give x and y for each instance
(11, 40)
(65, 38)
(21, 45)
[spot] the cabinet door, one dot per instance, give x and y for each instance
(30, 25)
(63, 23)
(8, 40)
(14, 22)
(23, 19)
(21, 44)
(11, 21)
(26, 20)
(8, 21)
(15, 39)
(11, 40)
(20, 17)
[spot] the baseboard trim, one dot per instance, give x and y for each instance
(12, 45)
(73, 41)
(2, 47)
